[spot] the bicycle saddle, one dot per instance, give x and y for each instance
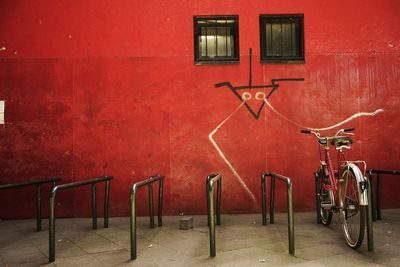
(341, 141)
(322, 141)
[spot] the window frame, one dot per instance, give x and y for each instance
(263, 40)
(235, 59)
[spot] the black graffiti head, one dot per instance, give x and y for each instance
(256, 92)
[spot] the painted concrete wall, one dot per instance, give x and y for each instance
(110, 88)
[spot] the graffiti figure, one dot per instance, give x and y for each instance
(259, 95)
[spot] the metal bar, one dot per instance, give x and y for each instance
(208, 201)
(151, 204)
(219, 184)
(370, 232)
(280, 51)
(160, 201)
(379, 197)
(290, 217)
(317, 195)
(106, 203)
(272, 43)
(210, 196)
(52, 217)
(147, 181)
(52, 222)
(226, 38)
(272, 200)
(206, 41)
(207, 188)
(212, 220)
(94, 209)
(216, 40)
(85, 182)
(28, 183)
(38, 208)
(391, 172)
(263, 200)
(133, 224)
(372, 193)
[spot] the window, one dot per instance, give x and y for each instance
(282, 38)
(216, 39)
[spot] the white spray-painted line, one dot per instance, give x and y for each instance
(354, 116)
(210, 137)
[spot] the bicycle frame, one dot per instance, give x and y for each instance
(326, 158)
(341, 162)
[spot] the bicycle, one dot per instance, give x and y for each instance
(343, 191)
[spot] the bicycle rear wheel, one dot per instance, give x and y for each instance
(325, 197)
(352, 213)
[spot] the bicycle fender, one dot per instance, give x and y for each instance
(362, 184)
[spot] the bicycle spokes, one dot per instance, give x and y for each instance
(353, 215)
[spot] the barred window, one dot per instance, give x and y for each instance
(216, 39)
(282, 38)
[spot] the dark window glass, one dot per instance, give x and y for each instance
(282, 38)
(216, 39)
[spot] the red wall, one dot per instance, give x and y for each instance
(110, 88)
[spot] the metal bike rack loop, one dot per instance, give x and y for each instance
(52, 218)
(38, 184)
(210, 182)
(218, 209)
(376, 207)
(135, 187)
(272, 200)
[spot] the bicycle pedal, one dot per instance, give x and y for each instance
(326, 205)
(351, 207)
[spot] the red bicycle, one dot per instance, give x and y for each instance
(342, 190)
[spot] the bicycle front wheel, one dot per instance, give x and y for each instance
(352, 213)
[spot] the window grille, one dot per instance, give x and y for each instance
(282, 38)
(216, 39)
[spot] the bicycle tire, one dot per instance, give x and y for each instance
(324, 198)
(352, 213)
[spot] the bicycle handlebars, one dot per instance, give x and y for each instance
(345, 130)
(326, 138)
(305, 131)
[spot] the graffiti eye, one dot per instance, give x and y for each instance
(246, 96)
(260, 96)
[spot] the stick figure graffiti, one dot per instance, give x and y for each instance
(259, 95)
(256, 114)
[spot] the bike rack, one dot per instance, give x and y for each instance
(38, 184)
(210, 182)
(377, 214)
(135, 187)
(52, 219)
(271, 203)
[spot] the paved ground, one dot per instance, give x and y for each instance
(241, 241)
